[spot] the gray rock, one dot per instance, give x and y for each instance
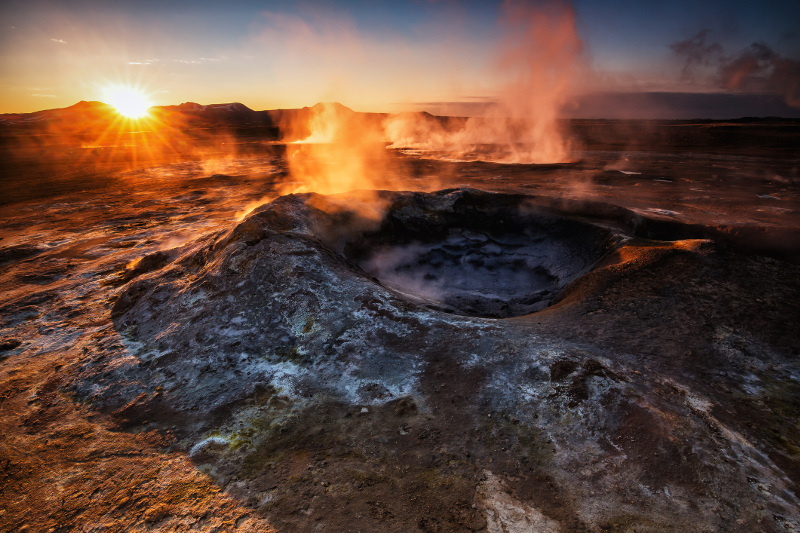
(275, 337)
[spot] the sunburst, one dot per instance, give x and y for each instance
(129, 102)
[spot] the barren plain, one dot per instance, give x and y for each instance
(608, 344)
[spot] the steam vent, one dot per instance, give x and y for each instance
(467, 361)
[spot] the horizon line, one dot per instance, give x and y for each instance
(635, 105)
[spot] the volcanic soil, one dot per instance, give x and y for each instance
(171, 362)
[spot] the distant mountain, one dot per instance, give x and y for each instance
(233, 114)
(78, 116)
(86, 117)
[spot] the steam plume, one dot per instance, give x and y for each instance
(343, 152)
(537, 59)
(760, 68)
(696, 51)
(757, 68)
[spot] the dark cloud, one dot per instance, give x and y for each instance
(696, 51)
(789, 37)
(757, 68)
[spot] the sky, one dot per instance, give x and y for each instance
(436, 55)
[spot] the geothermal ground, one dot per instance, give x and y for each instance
(604, 345)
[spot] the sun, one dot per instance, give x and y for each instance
(128, 101)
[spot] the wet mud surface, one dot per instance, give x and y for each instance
(475, 254)
(170, 362)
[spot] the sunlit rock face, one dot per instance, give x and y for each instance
(384, 343)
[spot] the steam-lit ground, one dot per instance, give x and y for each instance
(68, 234)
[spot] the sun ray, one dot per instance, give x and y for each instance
(125, 139)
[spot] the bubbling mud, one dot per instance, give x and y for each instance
(474, 255)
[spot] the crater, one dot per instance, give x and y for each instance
(478, 254)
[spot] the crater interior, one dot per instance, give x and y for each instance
(477, 257)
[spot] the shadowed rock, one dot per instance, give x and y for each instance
(304, 356)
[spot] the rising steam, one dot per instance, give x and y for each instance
(537, 60)
(344, 151)
(757, 68)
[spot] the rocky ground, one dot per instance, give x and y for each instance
(171, 364)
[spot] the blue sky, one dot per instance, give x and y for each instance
(375, 56)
